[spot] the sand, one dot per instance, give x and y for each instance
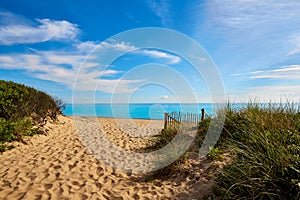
(57, 165)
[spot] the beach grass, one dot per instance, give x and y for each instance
(265, 139)
(162, 139)
(264, 143)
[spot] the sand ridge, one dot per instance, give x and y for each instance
(58, 166)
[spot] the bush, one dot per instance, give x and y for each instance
(7, 130)
(20, 108)
(19, 101)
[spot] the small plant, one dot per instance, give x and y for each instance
(162, 139)
(214, 153)
(2, 147)
(7, 130)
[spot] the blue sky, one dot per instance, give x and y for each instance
(255, 45)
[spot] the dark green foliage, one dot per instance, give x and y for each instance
(266, 140)
(7, 130)
(20, 108)
(4, 147)
(18, 101)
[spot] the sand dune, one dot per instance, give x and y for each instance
(58, 166)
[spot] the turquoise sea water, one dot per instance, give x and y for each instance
(137, 111)
(150, 111)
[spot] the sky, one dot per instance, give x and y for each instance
(60, 47)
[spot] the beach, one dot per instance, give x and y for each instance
(57, 165)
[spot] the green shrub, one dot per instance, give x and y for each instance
(20, 108)
(7, 130)
(19, 101)
(2, 147)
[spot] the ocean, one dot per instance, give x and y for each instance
(135, 111)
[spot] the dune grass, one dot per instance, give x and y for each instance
(266, 141)
(162, 139)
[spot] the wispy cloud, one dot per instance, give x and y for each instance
(120, 46)
(243, 14)
(39, 66)
(172, 59)
(9, 18)
(161, 8)
(291, 72)
(277, 84)
(88, 46)
(62, 67)
(40, 31)
(295, 43)
(266, 30)
(267, 93)
(275, 93)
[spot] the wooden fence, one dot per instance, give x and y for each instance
(174, 119)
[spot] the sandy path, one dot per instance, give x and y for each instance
(58, 166)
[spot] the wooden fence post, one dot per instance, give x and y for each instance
(202, 114)
(166, 120)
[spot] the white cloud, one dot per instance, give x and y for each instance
(161, 8)
(275, 93)
(6, 59)
(121, 46)
(46, 30)
(110, 72)
(256, 72)
(51, 65)
(266, 30)
(269, 93)
(8, 18)
(37, 67)
(291, 72)
(247, 14)
(60, 65)
(60, 57)
(86, 46)
(172, 59)
(287, 68)
(164, 97)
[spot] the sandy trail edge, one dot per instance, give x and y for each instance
(57, 166)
